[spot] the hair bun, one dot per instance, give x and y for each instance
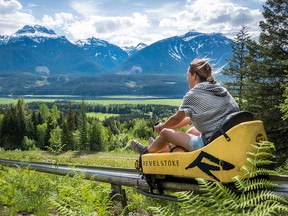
(211, 79)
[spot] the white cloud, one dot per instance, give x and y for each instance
(145, 23)
(9, 7)
(118, 30)
(11, 17)
(59, 20)
(214, 16)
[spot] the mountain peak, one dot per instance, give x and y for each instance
(35, 31)
(91, 42)
(140, 46)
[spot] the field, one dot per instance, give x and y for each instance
(98, 100)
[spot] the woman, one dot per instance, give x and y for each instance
(205, 105)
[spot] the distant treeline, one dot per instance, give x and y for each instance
(62, 125)
(100, 85)
(156, 110)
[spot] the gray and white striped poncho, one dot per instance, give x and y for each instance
(207, 105)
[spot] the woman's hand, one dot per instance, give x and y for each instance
(158, 127)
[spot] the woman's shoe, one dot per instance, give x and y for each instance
(138, 147)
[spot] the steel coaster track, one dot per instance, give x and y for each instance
(130, 177)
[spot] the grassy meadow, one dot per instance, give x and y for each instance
(103, 101)
(27, 192)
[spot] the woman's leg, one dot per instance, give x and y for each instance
(194, 131)
(168, 136)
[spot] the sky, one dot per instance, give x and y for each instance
(130, 22)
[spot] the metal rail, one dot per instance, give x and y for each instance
(117, 176)
(129, 177)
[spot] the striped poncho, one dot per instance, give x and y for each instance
(207, 105)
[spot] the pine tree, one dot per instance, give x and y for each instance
(266, 71)
(237, 66)
(21, 113)
(83, 128)
(68, 127)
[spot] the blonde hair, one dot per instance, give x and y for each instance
(203, 69)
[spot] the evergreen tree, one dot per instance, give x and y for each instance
(83, 128)
(71, 119)
(41, 135)
(237, 66)
(35, 122)
(266, 71)
(21, 113)
(54, 115)
(43, 112)
(9, 129)
(68, 127)
(96, 136)
(55, 140)
(67, 137)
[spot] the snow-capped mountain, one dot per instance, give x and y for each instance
(131, 50)
(39, 50)
(36, 31)
(104, 53)
(173, 55)
(36, 49)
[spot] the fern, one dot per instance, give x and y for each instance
(252, 199)
(264, 146)
(254, 184)
(77, 196)
(258, 162)
(270, 208)
(253, 172)
(162, 211)
(260, 154)
(193, 204)
(244, 197)
(61, 206)
(283, 168)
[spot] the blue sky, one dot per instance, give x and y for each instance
(129, 22)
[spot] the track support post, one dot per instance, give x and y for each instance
(118, 194)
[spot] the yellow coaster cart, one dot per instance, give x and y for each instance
(219, 160)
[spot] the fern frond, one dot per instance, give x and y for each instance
(270, 207)
(254, 184)
(252, 199)
(283, 169)
(205, 185)
(264, 146)
(186, 196)
(252, 171)
(260, 154)
(219, 197)
(61, 206)
(193, 204)
(259, 162)
(263, 171)
(163, 211)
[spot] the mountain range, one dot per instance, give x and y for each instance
(37, 49)
(35, 60)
